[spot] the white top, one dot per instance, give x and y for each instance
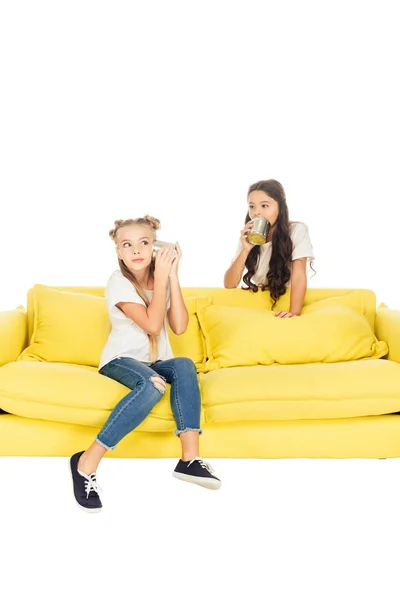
(126, 338)
(302, 248)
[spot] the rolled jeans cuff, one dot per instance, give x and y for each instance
(179, 431)
(105, 445)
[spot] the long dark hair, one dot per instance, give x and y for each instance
(282, 247)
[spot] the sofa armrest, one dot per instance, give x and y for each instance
(13, 334)
(387, 328)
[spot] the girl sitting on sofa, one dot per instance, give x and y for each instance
(282, 261)
(140, 297)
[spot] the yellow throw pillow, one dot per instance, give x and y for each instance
(191, 343)
(68, 327)
(354, 299)
(244, 337)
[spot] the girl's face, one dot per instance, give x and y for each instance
(262, 205)
(135, 247)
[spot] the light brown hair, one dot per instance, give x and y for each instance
(153, 224)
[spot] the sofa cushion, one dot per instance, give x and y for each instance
(356, 300)
(72, 327)
(70, 394)
(387, 327)
(244, 337)
(291, 392)
(68, 327)
(191, 343)
(13, 329)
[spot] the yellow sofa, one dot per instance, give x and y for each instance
(325, 384)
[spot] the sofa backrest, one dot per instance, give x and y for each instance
(235, 297)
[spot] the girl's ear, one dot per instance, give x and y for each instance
(117, 251)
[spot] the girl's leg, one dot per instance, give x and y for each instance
(190, 444)
(147, 389)
(90, 459)
(185, 401)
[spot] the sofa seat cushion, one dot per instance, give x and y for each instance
(314, 391)
(70, 394)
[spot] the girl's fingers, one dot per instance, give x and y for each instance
(170, 254)
(166, 251)
(246, 229)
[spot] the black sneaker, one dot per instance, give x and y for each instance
(86, 490)
(197, 471)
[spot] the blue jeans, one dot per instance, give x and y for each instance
(135, 406)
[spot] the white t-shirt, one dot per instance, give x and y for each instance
(126, 338)
(302, 248)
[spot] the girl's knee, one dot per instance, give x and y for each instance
(159, 383)
(184, 363)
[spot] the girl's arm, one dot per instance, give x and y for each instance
(151, 319)
(298, 285)
(178, 316)
(234, 273)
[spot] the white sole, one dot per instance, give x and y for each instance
(210, 484)
(88, 510)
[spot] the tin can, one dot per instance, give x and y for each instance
(158, 244)
(259, 232)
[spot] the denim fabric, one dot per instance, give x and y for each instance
(135, 406)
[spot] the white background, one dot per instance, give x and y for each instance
(116, 109)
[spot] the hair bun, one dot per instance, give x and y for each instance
(155, 223)
(113, 231)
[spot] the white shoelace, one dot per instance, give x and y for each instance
(203, 463)
(91, 484)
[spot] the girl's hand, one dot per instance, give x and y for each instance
(163, 263)
(283, 314)
(243, 237)
(175, 263)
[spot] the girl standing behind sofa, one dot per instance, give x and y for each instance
(282, 261)
(140, 296)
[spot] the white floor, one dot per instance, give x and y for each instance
(282, 529)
